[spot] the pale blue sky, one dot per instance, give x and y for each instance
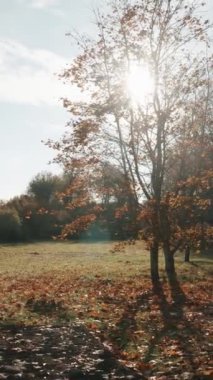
(33, 47)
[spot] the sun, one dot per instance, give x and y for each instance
(139, 84)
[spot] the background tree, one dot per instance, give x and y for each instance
(25, 207)
(40, 212)
(48, 214)
(118, 201)
(189, 169)
(44, 186)
(10, 224)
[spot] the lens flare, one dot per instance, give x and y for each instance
(139, 84)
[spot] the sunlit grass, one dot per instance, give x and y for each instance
(111, 293)
(79, 276)
(86, 258)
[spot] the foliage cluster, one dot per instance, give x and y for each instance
(52, 204)
(27, 220)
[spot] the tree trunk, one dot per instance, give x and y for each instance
(154, 262)
(187, 254)
(169, 261)
(202, 240)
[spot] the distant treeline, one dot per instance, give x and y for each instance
(58, 206)
(40, 214)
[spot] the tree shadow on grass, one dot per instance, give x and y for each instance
(51, 352)
(204, 266)
(171, 312)
(176, 339)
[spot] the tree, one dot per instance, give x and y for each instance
(117, 200)
(47, 213)
(138, 78)
(25, 207)
(40, 211)
(189, 171)
(10, 225)
(44, 186)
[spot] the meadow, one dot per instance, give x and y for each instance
(161, 332)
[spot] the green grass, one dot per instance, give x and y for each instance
(58, 282)
(74, 272)
(87, 258)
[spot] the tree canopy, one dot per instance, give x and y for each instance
(146, 110)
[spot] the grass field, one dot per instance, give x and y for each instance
(91, 258)
(57, 283)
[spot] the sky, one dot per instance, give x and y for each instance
(33, 49)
